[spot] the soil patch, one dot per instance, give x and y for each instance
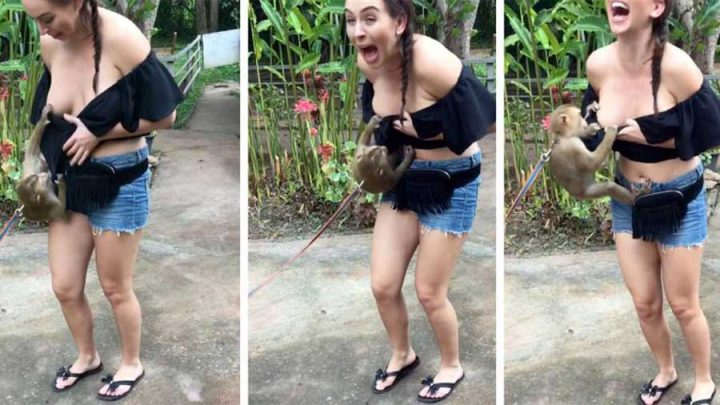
(301, 214)
(542, 231)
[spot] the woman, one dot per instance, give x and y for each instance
(642, 81)
(445, 111)
(110, 90)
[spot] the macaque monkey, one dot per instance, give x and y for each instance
(572, 164)
(375, 169)
(36, 190)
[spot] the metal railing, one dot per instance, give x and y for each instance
(189, 63)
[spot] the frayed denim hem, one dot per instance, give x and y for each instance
(96, 231)
(424, 229)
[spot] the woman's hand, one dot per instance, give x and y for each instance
(81, 143)
(407, 127)
(632, 133)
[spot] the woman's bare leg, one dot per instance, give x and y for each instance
(116, 255)
(395, 238)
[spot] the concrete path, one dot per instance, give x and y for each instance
(315, 336)
(187, 281)
(572, 336)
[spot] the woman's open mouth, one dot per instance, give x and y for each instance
(619, 11)
(369, 53)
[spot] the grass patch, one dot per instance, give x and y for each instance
(205, 78)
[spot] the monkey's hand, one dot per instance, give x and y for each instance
(81, 143)
(592, 108)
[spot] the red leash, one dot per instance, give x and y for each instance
(327, 223)
(9, 224)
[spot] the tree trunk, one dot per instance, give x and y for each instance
(200, 17)
(700, 47)
(213, 15)
(456, 27)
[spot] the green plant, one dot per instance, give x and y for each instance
(20, 71)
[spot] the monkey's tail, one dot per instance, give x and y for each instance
(327, 223)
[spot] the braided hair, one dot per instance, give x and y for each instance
(90, 19)
(396, 9)
(659, 39)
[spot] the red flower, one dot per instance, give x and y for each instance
(305, 107)
(313, 131)
(319, 80)
(6, 149)
(325, 150)
(568, 97)
(546, 122)
(4, 93)
(323, 95)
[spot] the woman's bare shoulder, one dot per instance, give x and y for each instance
(48, 48)
(598, 64)
(436, 68)
(680, 75)
(124, 43)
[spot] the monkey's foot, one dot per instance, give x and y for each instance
(644, 187)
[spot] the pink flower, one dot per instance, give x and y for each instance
(313, 131)
(305, 107)
(546, 122)
(326, 150)
(6, 149)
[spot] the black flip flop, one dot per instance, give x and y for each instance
(65, 374)
(650, 389)
(688, 400)
(114, 384)
(381, 375)
(436, 386)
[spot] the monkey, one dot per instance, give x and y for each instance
(374, 168)
(572, 164)
(36, 190)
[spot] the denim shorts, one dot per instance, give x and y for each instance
(129, 211)
(692, 231)
(457, 219)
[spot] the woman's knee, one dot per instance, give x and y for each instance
(67, 291)
(383, 290)
(431, 297)
(685, 309)
(648, 309)
(117, 292)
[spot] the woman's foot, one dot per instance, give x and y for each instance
(663, 381)
(702, 390)
(124, 373)
(81, 365)
(444, 375)
(397, 362)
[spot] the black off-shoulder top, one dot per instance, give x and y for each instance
(148, 91)
(463, 116)
(693, 123)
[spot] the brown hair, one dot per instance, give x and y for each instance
(659, 38)
(89, 18)
(397, 9)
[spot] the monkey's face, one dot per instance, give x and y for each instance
(373, 31)
(628, 16)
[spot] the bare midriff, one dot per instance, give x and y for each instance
(444, 153)
(659, 172)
